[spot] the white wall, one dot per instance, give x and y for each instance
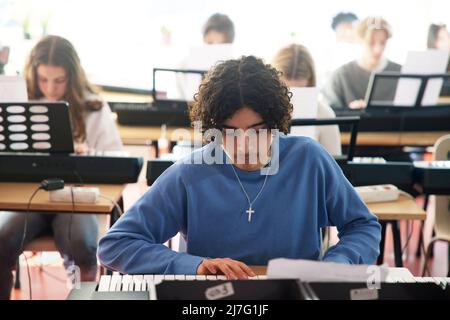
(120, 41)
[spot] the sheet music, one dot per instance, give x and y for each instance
(201, 58)
(318, 271)
(305, 102)
(13, 89)
(421, 62)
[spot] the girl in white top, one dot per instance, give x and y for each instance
(53, 72)
(297, 68)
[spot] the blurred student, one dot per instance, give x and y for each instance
(218, 29)
(343, 24)
(439, 38)
(340, 50)
(297, 67)
(54, 73)
(348, 84)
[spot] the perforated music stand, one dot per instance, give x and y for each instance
(32, 127)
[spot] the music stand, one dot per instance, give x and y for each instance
(424, 79)
(35, 127)
(186, 71)
(353, 121)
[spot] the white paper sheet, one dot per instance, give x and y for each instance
(305, 102)
(318, 271)
(421, 62)
(201, 58)
(13, 89)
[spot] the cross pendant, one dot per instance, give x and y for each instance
(250, 211)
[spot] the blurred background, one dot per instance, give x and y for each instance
(119, 42)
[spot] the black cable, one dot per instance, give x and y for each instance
(408, 238)
(24, 235)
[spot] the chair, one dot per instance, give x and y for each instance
(46, 243)
(442, 208)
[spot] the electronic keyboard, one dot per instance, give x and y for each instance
(433, 177)
(153, 287)
(34, 167)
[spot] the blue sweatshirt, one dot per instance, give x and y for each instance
(207, 205)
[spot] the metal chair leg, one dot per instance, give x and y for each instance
(427, 257)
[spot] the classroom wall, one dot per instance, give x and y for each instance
(120, 41)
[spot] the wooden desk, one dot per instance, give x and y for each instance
(394, 138)
(138, 135)
(404, 208)
(15, 196)
(391, 213)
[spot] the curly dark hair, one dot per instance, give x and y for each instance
(244, 82)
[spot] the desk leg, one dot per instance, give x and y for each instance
(382, 243)
(397, 243)
(420, 242)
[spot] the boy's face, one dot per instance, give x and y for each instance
(246, 139)
(374, 46)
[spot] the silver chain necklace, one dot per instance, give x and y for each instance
(250, 211)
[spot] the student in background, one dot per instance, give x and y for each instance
(53, 73)
(218, 29)
(348, 84)
(297, 67)
(340, 50)
(343, 24)
(439, 38)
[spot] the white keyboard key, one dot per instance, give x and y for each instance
(191, 277)
(253, 278)
(180, 277)
(262, 277)
(409, 280)
(169, 277)
(151, 290)
(116, 281)
(158, 278)
(137, 280)
(211, 277)
(103, 286)
(440, 281)
(221, 277)
(419, 279)
(201, 277)
(149, 277)
(428, 279)
(127, 283)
